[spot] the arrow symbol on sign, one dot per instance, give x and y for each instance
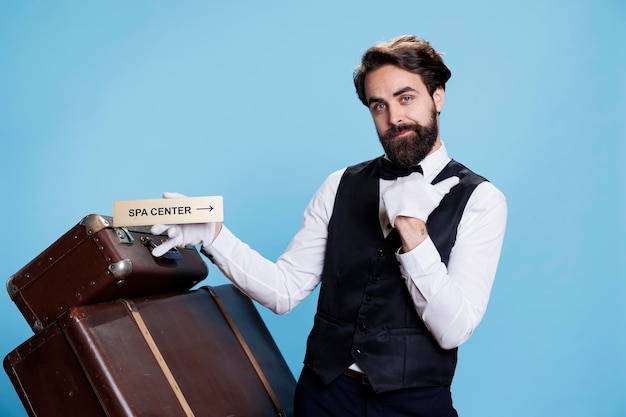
(210, 208)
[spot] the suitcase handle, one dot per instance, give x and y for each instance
(170, 254)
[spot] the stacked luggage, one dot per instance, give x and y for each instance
(119, 332)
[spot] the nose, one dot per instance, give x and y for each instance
(396, 115)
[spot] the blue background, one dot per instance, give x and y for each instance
(104, 101)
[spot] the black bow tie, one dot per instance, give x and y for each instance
(390, 170)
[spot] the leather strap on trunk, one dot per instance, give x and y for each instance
(159, 358)
(247, 350)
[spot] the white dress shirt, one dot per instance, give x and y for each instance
(451, 301)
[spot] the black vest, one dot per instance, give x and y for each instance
(365, 314)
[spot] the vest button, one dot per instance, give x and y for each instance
(368, 298)
(376, 278)
(381, 253)
(356, 352)
(362, 327)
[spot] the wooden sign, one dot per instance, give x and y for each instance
(168, 211)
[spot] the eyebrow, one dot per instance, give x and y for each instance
(396, 94)
(404, 90)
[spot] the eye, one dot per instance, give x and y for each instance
(406, 99)
(378, 107)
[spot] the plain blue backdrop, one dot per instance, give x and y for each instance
(104, 101)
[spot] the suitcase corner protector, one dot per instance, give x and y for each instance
(11, 287)
(95, 222)
(121, 270)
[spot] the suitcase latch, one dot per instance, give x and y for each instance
(124, 235)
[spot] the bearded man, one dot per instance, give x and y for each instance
(404, 247)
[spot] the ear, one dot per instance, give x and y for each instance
(439, 97)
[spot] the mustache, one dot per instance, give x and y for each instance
(396, 129)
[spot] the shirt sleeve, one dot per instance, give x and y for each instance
(281, 285)
(452, 301)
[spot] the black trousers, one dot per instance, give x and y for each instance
(348, 397)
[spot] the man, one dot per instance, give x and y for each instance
(405, 248)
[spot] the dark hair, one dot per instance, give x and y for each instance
(409, 53)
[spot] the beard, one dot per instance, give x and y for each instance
(411, 149)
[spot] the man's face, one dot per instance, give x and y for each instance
(404, 113)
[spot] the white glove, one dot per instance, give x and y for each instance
(413, 196)
(182, 234)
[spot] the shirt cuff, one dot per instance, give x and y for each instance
(223, 245)
(419, 261)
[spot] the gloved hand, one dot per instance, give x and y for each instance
(413, 196)
(182, 234)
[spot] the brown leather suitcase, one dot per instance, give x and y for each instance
(203, 353)
(94, 262)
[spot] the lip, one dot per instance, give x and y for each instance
(403, 133)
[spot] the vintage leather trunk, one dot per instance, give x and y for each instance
(95, 262)
(204, 353)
